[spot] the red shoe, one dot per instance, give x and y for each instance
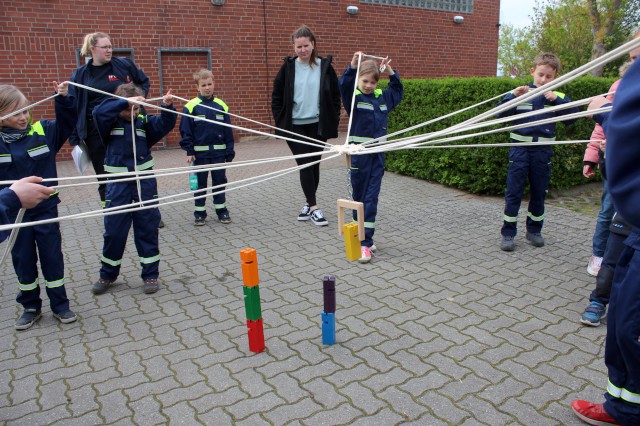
(592, 414)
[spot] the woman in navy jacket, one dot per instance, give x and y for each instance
(103, 72)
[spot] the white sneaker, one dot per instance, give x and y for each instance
(305, 213)
(595, 263)
(318, 218)
(365, 254)
(373, 248)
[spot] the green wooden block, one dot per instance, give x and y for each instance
(252, 302)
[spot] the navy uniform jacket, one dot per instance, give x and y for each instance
(123, 68)
(540, 132)
(204, 139)
(622, 127)
(115, 133)
(35, 154)
(9, 205)
(371, 112)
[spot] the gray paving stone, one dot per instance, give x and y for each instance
(342, 414)
(263, 403)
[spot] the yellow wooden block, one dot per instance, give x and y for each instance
(351, 241)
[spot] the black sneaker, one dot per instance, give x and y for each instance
(101, 286)
(318, 218)
(535, 238)
(161, 224)
(305, 213)
(66, 317)
(507, 243)
(199, 221)
(29, 317)
(150, 286)
(224, 217)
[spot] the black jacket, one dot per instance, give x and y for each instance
(330, 105)
(123, 68)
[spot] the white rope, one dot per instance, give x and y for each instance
(416, 143)
(156, 202)
(135, 153)
(570, 76)
(14, 235)
(412, 142)
(147, 104)
(18, 111)
(500, 145)
(262, 124)
(383, 139)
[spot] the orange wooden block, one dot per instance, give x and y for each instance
(250, 274)
(249, 255)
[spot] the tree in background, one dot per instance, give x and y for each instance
(578, 31)
(515, 51)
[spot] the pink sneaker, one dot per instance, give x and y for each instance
(594, 265)
(365, 254)
(593, 414)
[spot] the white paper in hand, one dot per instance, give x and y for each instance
(80, 157)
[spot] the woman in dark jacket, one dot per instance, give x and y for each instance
(306, 101)
(106, 73)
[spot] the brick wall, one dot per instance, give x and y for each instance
(247, 38)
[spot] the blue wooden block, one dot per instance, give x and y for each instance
(328, 328)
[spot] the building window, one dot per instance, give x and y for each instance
(465, 6)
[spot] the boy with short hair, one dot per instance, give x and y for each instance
(207, 143)
(531, 163)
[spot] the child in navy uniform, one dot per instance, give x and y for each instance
(28, 149)
(207, 143)
(113, 119)
(531, 163)
(622, 346)
(370, 116)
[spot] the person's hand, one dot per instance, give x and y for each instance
(354, 60)
(61, 88)
(520, 90)
(230, 156)
(191, 158)
(167, 99)
(596, 103)
(587, 171)
(384, 66)
(136, 100)
(603, 145)
(30, 192)
(550, 96)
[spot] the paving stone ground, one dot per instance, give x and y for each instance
(440, 328)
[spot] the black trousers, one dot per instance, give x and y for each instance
(309, 176)
(97, 152)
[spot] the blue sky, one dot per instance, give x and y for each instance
(516, 12)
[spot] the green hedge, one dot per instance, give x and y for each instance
(480, 170)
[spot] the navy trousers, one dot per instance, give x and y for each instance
(46, 241)
(218, 177)
(532, 165)
(117, 226)
(366, 180)
(622, 349)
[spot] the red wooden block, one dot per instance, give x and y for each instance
(256, 336)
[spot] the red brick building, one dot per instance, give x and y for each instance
(243, 40)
